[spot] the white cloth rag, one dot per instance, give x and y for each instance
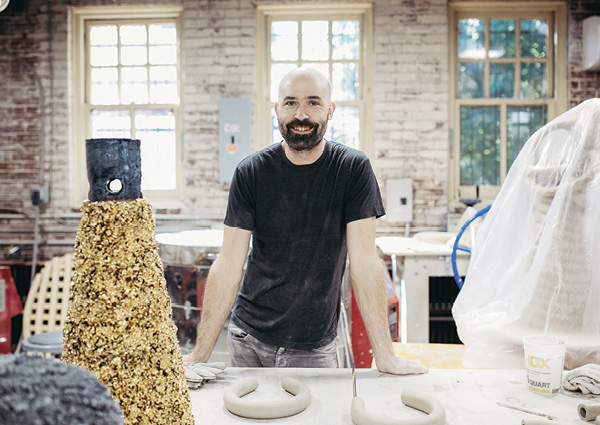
(585, 378)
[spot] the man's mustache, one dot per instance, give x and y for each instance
(298, 123)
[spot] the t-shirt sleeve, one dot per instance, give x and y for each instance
(241, 206)
(364, 197)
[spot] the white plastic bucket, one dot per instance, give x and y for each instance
(544, 361)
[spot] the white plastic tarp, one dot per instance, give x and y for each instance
(535, 268)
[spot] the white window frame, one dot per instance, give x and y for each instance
(556, 101)
(265, 13)
(80, 16)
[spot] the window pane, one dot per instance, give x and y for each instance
(471, 38)
(345, 40)
(533, 81)
(533, 38)
(278, 70)
(163, 44)
(105, 88)
(104, 56)
(134, 85)
(470, 80)
(502, 80)
(344, 126)
(502, 38)
(133, 45)
(284, 41)
(345, 81)
(156, 131)
(522, 122)
(110, 124)
(479, 145)
(104, 75)
(103, 36)
(133, 35)
(163, 84)
(120, 73)
(163, 55)
(164, 34)
(315, 40)
(163, 93)
(134, 55)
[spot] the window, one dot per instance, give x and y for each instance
(332, 40)
(128, 87)
(507, 82)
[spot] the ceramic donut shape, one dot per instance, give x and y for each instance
(254, 409)
(436, 415)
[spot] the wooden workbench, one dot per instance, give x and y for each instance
(469, 396)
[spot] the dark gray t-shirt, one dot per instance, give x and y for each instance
(290, 293)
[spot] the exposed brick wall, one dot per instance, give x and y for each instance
(20, 129)
(410, 93)
(582, 84)
(20, 106)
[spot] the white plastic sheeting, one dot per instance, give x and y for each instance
(536, 264)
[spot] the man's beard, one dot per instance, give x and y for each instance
(303, 142)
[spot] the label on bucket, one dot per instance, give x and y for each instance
(544, 374)
(544, 361)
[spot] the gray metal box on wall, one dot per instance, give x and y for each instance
(234, 135)
(399, 200)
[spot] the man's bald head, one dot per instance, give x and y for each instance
(320, 81)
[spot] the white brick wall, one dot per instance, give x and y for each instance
(218, 63)
(411, 102)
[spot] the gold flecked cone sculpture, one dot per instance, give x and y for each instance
(119, 323)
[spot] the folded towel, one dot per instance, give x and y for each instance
(585, 379)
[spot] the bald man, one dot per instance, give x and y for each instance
(308, 204)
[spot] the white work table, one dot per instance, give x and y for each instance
(468, 396)
(421, 260)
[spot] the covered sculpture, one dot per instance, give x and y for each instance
(536, 265)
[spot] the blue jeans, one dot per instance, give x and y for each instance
(247, 351)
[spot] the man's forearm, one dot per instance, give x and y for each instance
(368, 284)
(221, 288)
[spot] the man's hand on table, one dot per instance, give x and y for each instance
(399, 366)
(197, 373)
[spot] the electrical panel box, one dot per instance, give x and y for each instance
(399, 200)
(234, 135)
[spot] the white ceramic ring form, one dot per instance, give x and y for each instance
(254, 409)
(436, 415)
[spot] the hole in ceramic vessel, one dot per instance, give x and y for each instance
(114, 186)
